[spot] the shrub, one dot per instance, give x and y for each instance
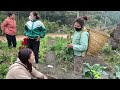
(61, 50)
(93, 72)
(107, 49)
(3, 70)
(43, 49)
(20, 25)
(116, 73)
(51, 27)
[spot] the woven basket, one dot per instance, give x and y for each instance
(97, 40)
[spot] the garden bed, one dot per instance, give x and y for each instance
(52, 52)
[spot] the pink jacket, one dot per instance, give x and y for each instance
(9, 26)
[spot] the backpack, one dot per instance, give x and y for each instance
(96, 41)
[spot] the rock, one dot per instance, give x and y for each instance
(115, 35)
(50, 66)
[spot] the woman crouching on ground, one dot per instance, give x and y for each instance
(22, 68)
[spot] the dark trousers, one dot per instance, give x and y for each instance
(34, 45)
(11, 40)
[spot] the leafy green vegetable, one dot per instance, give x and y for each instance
(93, 72)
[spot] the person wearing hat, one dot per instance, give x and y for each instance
(79, 44)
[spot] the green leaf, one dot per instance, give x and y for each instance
(97, 76)
(99, 70)
(103, 68)
(118, 75)
(85, 69)
(87, 75)
(96, 66)
(117, 68)
(87, 64)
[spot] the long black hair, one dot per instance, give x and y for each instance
(24, 55)
(36, 15)
(10, 14)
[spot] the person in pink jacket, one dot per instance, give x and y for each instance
(9, 29)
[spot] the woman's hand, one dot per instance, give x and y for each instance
(69, 46)
(45, 77)
(38, 38)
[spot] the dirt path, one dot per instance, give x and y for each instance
(20, 37)
(57, 35)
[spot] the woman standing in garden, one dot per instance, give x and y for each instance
(34, 30)
(79, 44)
(9, 29)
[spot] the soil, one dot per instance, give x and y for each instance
(59, 72)
(96, 60)
(50, 58)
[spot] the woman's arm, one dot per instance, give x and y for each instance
(25, 30)
(43, 30)
(38, 74)
(3, 25)
(20, 74)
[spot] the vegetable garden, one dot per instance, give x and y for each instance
(54, 57)
(53, 52)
